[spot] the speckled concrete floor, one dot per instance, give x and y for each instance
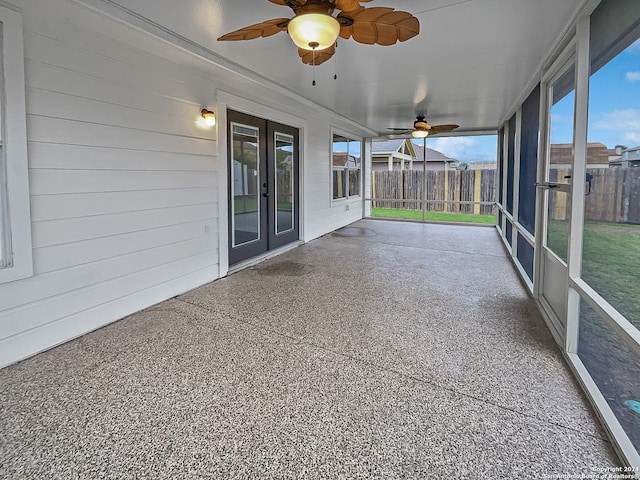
(405, 351)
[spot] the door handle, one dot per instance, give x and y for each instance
(546, 185)
(589, 179)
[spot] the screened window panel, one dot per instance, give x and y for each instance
(529, 160)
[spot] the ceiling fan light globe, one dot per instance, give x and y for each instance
(314, 31)
(420, 133)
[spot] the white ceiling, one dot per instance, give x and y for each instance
(469, 65)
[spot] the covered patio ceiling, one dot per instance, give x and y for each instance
(469, 64)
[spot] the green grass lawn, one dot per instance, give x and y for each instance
(611, 261)
(611, 265)
(432, 216)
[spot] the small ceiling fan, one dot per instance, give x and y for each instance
(314, 28)
(422, 129)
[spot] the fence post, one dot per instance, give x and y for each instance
(477, 186)
(458, 191)
(373, 189)
(446, 188)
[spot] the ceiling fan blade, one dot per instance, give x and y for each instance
(442, 128)
(346, 30)
(380, 25)
(264, 29)
(321, 56)
(289, 3)
(348, 5)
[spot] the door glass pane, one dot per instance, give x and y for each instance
(284, 182)
(614, 367)
(245, 186)
(559, 167)
(611, 242)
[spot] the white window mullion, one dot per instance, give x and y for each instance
(505, 162)
(540, 194)
(579, 171)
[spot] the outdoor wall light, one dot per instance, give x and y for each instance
(314, 31)
(209, 117)
(420, 133)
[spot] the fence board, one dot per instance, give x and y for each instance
(452, 185)
(614, 196)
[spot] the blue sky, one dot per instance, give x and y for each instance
(614, 104)
(614, 113)
(480, 148)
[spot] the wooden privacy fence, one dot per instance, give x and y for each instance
(457, 191)
(614, 197)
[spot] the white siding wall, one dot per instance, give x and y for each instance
(322, 213)
(124, 185)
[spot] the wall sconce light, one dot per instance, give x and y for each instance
(209, 117)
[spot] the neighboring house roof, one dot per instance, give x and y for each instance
(483, 165)
(390, 147)
(597, 154)
(629, 157)
(399, 148)
(340, 160)
(432, 155)
(387, 146)
(631, 153)
(614, 154)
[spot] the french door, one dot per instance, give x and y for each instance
(263, 185)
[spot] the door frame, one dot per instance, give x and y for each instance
(268, 239)
(224, 101)
(543, 257)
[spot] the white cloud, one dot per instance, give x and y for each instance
(626, 122)
(465, 149)
(454, 147)
(557, 118)
(633, 76)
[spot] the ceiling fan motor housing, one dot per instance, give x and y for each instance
(421, 124)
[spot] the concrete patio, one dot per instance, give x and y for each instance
(384, 350)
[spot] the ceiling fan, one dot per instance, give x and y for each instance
(314, 28)
(422, 129)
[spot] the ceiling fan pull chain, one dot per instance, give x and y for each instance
(313, 64)
(335, 64)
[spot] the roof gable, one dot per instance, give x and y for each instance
(392, 146)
